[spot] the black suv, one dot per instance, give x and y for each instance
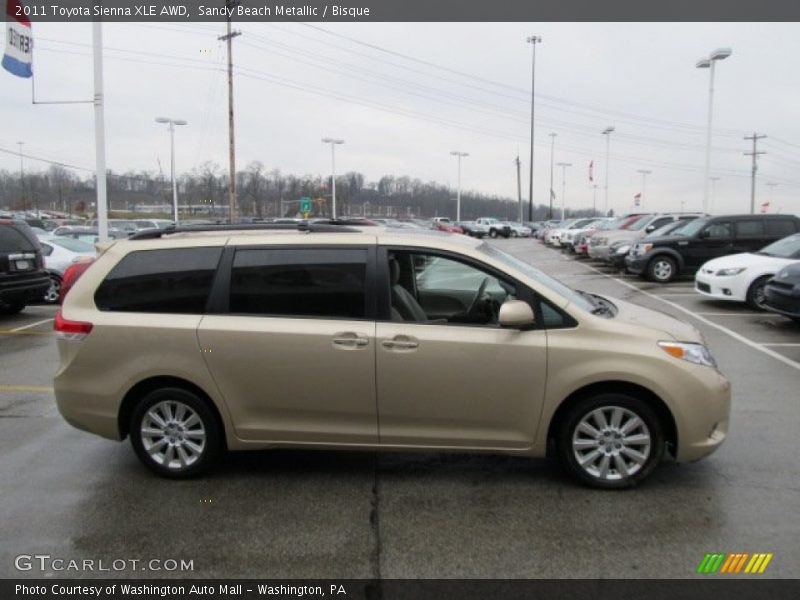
(682, 252)
(22, 274)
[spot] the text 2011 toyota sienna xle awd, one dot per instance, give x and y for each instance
(192, 343)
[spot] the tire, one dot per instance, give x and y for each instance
(54, 291)
(188, 433)
(662, 269)
(11, 308)
(514, 234)
(755, 293)
(493, 233)
(604, 466)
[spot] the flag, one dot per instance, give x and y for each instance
(591, 168)
(637, 198)
(19, 41)
(764, 207)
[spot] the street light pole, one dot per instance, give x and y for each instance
(21, 176)
(644, 173)
(533, 40)
(607, 132)
(594, 200)
(333, 142)
(563, 166)
(552, 152)
(172, 123)
(708, 63)
(459, 155)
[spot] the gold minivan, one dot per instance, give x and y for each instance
(193, 342)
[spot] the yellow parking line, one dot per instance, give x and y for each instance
(26, 388)
(24, 332)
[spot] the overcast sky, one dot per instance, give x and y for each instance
(469, 90)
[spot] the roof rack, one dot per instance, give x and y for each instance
(329, 227)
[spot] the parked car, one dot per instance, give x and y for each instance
(619, 243)
(782, 292)
(71, 275)
(571, 236)
(446, 225)
(619, 249)
(414, 328)
(546, 226)
(681, 253)
(518, 229)
(59, 253)
(88, 234)
(742, 277)
(160, 223)
(496, 227)
(553, 236)
(23, 278)
(474, 229)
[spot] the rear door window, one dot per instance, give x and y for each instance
(749, 229)
(718, 231)
(302, 282)
(175, 281)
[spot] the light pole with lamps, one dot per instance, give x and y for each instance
(607, 132)
(563, 166)
(708, 63)
(552, 152)
(644, 173)
(460, 155)
(333, 142)
(172, 123)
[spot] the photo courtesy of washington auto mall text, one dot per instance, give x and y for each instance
(399, 299)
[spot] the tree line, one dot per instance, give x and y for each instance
(261, 192)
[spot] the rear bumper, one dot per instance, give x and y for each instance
(24, 288)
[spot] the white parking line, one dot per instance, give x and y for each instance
(733, 314)
(733, 334)
(667, 294)
(42, 322)
(781, 345)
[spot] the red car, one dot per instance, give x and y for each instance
(445, 224)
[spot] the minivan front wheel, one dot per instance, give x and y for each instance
(662, 269)
(610, 441)
(174, 433)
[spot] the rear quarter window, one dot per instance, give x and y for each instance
(781, 227)
(13, 240)
(175, 281)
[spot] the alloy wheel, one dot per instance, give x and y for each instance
(173, 435)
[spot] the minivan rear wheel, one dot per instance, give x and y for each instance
(174, 433)
(610, 441)
(662, 269)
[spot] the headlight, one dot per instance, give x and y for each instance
(624, 249)
(645, 248)
(694, 353)
(729, 272)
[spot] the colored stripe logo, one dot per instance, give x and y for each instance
(734, 563)
(18, 58)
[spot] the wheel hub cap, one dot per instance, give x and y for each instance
(173, 434)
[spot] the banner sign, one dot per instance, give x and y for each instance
(18, 58)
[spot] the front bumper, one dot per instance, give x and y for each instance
(598, 252)
(719, 288)
(618, 260)
(782, 301)
(636, 264)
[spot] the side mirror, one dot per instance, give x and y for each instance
(650, 228)
(516, 314)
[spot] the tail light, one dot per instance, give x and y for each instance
(71, 275)
(70, 330)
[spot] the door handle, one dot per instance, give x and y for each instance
(350, 340)
(399, 344)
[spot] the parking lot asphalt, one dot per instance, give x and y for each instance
(304, 514)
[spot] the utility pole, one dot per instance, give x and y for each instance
(755, 137)
(228, 38)
(607, 132)
(459, 155)
(552, 152)
(101, 208)
(594, 200)
(714, 181)
(21, 176)
(519, 188)
(533, 40)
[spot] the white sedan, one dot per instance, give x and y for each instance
(59, 253)
(741, 277)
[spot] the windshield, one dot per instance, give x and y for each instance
(639, 224)
(550, 283)
(691, 227)
(788, 247)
